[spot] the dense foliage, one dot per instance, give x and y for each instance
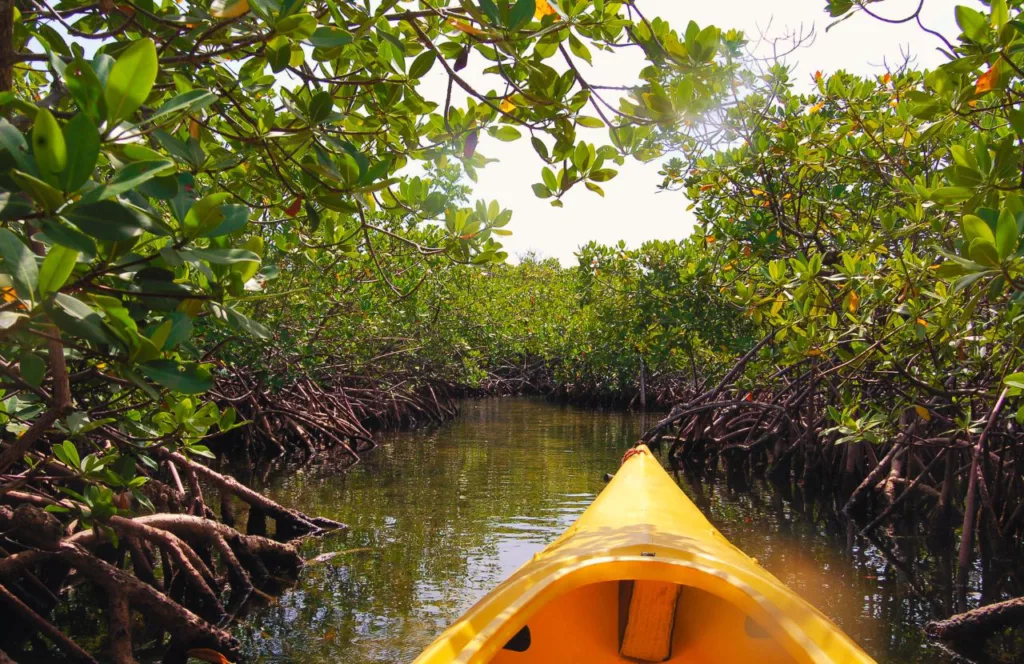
(871, 229)
(251, 221)
(194, 196)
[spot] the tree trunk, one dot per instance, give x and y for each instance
(6, 45)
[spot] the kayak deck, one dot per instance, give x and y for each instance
(642, 576)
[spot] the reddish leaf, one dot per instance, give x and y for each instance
(462, 59)
(471, 141)
(987, 81)
(294, 208)
(208, 655)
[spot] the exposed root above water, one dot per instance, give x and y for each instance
(185, 571)
(935, 472)
(340, 412)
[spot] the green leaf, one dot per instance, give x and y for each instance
(86, 89)
(205, 215)
(107, 220)
(187, 378)
(235, 218)
(57, 267)
(128, 178)
(64, 234)
(505, 133)
(12, 141)
(1006, 235)
(48, 145)
(984, 252)
(131, 79)
(1015, 380)
(239, 321)
(422, 64)
(42, 193)
(579, 49)
(492, 11)
(521, 14)
(83, 141)
(221, 256)
(71, 454)
(80, 320)
(320, 107)
(973, 23)
(20, 263)
(201, 450)
(33, 368)
(329, 36)
(974, 227)
(193, 100)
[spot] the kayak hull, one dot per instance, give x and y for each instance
(573, 601)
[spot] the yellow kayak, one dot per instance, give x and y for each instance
(642, 576)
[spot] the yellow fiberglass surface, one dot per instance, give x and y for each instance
(642, 574)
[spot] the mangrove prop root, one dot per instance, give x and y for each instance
(307, 415)
(922, 469)
(294, 522)
(979, 623)
(172, 567)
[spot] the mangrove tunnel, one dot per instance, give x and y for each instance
(279, 383)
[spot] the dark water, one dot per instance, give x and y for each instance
(439, 517)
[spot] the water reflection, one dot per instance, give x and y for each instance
(439, 517)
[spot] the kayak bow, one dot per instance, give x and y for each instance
(642, 576)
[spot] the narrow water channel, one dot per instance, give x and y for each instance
(439, 517)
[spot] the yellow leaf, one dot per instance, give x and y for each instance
(854, 302)
(987, 81)
(507, 106)
(543, 9)
(817, 107)
(886, 78)
(922, 322)
(923, 412)
(817, 75)
(228, 8)
(208, 655)
(465, 27)
(193, 129)
(710, 239)
(814, 352)
(757, 192)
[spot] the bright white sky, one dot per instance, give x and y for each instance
(632, 210)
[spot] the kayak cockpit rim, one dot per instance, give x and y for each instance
(539, 592)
